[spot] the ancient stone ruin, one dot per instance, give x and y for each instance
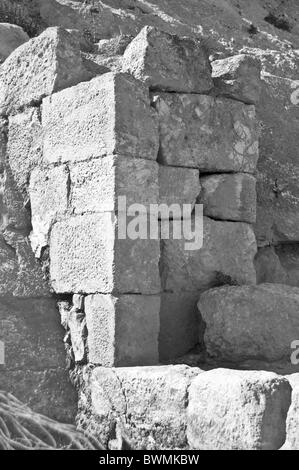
(166, 347)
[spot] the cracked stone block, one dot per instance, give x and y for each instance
(226, 257)
(250, 322)
(178, 185)
(111, 114)
(123, 330)
(229, 197)
(292, 424)
(48, 190)
(97, 184)
(24, 146)
(38, 68)
(11, 37)
(167, 62)
(88, 255)
(147, 403)
(238, 410)
(238, 77)
(208, 133)
(179, 324)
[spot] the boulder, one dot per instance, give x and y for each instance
(167, 62)
(250, 322)
(229, 197)
(111, 114)
(11, 37)
(237, 410)
(211, 134)
(38, 68)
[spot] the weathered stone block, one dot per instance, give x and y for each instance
(110, 114)
(122, 331)
(250, 321)
(268, 266)
(229, 197)
(238, 77)
(147, 403)
(292, 424)
(178, 185)
(48, 191)
(88, 256)
(212, 134)
(11, 37)
(237, 410)
(226, 257)
(179, 324)
(97, 184)
(167, 62)
(38, 68)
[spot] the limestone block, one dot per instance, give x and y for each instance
(179, 324)
(167, 62)
(122, 331)
(111, 114)
(11, 37)
(148, 403)
(238, 77)
(48, 191)
(226, 257)
(38, 68)
(211, 134)
(229, 197)
(237, 410)
(250, 322)
(88, 256)
(292, 424)
(97, 184)
(178, 185)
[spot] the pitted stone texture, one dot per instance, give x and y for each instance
(97, 184)
(226, 257)
(179, 324)
(250, 322)
(122, 331)
(88, 256)
(238, 77)
(167, 62)
(237, 410)
(48, 191)
(178, 185)
(111, 114)
(292, 424)
(38, 68)
(11, 37)
(212, 134)
(229, 197)
(24, 147)
(148, 403)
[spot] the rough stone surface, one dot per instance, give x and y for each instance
(97, 184)
(11, 37)
(148, 403)
(250, 321)
(212, 134)
(268, 266)
(123, 331)
(229, 197)
(39, 68)
(178, 185)
(226, 257)
(87, 256)
(179, 324)
(237, 410)
(110, 114)
(292, 424)
(167, 62)
(238, 77)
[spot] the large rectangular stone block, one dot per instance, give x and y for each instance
(110, 114)
(87, 256)
(97, 184)
(178, 185)
(211, 134)
(122, 331)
